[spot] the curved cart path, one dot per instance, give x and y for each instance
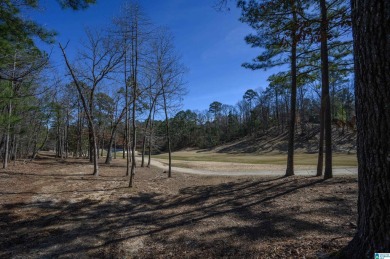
(248, 172)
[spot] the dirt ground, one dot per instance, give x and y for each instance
(54, 208)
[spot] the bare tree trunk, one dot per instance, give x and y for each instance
(115, 146)
(102, 150)
(151, 138)
(98, 143)
(277, 108)
(124, 148)
(134, 76)
(58, 138)
(7, 137)
(127, 139)
(168, 135)
(127, 126)
(135, 90)
(36, 151)
(67, 134)
(95, 154)
(63, 143)
(88, 110)
(325, 86)
(328, 140)
(80, 131)
(302, 111)
(109, 156)
(134, 139)
(320, 162)
(148, 121)
(7, 140)
(371, 30)
(111, 146)
(91, 145)
(143, 150)
(15, 148)
(78, 142)
(12, 150)
(149, 151)
(290, 156)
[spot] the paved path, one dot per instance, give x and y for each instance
(336, 171)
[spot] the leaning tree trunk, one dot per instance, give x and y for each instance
(371, 31)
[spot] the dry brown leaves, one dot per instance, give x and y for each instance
(53, 208)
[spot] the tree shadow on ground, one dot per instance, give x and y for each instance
(217, 219)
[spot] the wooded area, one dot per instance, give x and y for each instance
(122, 93)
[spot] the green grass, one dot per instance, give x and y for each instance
(339, 160)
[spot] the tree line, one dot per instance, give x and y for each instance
(263, 112)
(124, 74)
(310, 39)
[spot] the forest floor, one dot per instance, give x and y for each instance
(56, 208)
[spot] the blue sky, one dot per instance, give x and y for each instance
(211, 43)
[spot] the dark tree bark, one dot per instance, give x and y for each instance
(90, 147)
(79, 149)
(125, 147)
(168, 134)
(148, 127)
(134, 68)
(371, 34)
(143, 150)
(15, 148)
(114, 127)
(88, 112)
(36, 150)
(291, 135)
(127, 125)
(320, 163)
(277, 108)
(7, 141)
(151, 138)
(325, 91)
(115, 146)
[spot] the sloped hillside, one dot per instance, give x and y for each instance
(274, 141)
